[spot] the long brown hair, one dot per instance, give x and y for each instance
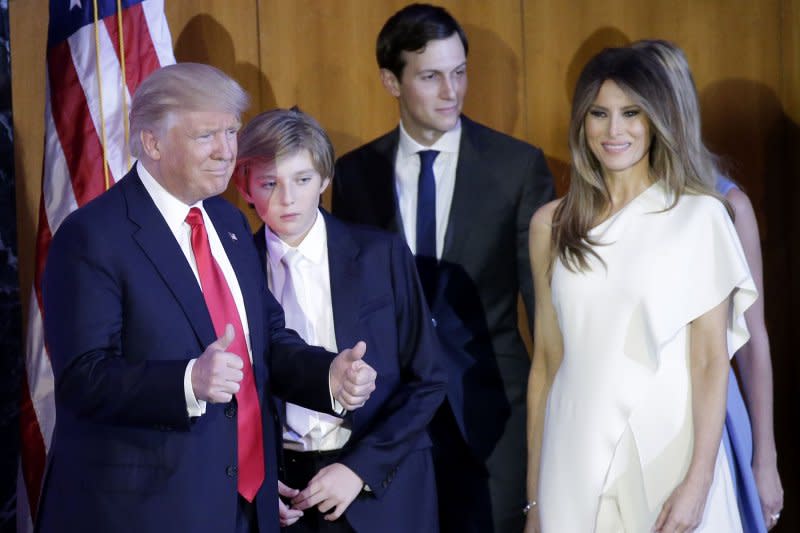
(676, 69)
(643, 78)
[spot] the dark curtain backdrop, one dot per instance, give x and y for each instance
(10, 309)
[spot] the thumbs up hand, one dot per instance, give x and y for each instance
(216, 373)
(351, 379)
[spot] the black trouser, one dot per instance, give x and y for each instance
(246, 521)
(299, 468)
(462, 482)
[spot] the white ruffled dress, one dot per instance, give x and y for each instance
(618, 430)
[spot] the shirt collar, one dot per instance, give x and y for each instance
(313, 247)
(173, 210)
(449, 142)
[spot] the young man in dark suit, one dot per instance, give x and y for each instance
(166, 344)
(370, 473)
(463, 196)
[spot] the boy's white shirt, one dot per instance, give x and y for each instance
(308, 430)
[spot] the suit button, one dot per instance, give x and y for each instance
(230, 410)
(385, 483)
(433, 321)
(231, 471)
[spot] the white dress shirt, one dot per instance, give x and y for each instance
(174, 212)
(406, 170)
(307, 430)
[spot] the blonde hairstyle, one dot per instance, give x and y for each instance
(181, 87)
(643, 79)
(282, 132)
(676, 69)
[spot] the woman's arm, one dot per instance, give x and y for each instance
(755, 366)
(709, 367)
(547, 350)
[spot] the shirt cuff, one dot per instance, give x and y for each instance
(194, 406)
(336, 407)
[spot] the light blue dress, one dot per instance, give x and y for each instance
(738, 438)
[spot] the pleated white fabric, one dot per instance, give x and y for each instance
(618, 429)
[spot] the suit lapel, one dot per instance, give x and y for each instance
(278, 405)
(467, 195)
(342, 262)
(157, 242)
(261, 246)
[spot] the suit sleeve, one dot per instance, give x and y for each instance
(537, 190)
(298, 372)
(84, 323)
(406, 414)
(340, 207)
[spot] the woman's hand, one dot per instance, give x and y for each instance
(770, 492)
(683, 510)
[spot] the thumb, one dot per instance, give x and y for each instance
(357, 352)
(223, 342)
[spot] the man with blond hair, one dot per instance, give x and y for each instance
(166, 345)
(338, 282)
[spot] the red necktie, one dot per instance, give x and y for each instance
(223, 311)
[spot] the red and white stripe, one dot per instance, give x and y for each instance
(72, 175)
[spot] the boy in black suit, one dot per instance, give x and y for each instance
(336, 282)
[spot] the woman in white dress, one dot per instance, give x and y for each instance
(749, 436)
(641, 285)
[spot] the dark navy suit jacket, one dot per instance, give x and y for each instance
(123, 315)
(376, 297)
(500, 182)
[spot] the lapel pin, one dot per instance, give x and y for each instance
(233, 236)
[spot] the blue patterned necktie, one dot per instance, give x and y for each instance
(426, 222)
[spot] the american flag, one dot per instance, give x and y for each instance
(88, 90)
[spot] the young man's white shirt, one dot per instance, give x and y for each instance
(406, 171)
